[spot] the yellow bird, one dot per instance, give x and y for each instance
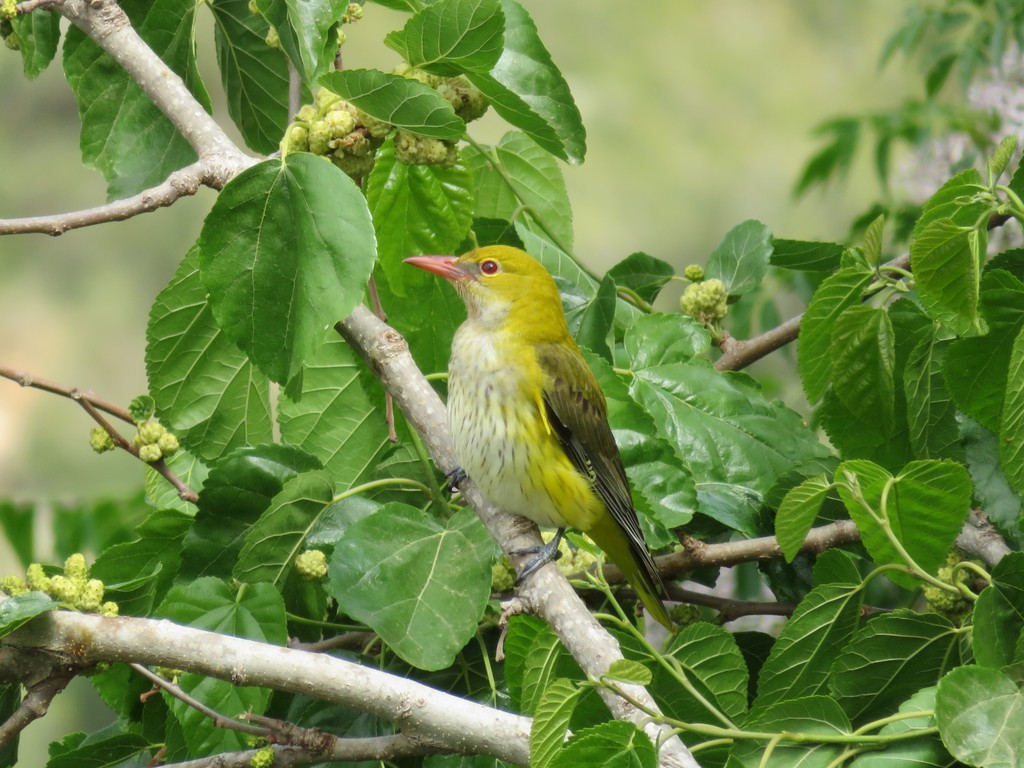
(528, 418)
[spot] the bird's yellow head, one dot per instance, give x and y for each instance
(500, 284)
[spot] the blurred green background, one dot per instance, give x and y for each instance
(699, 116)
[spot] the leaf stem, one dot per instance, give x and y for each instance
(380, 483)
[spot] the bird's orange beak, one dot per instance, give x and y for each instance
(439, 265)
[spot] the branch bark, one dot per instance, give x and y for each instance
(418, 710)
(547, 592)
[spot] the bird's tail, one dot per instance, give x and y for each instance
(635, 562)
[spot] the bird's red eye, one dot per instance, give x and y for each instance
(489, 267)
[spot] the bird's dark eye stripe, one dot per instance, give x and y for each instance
(489, 267)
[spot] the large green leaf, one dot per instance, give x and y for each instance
(863, 358)
(162, 495)
(727, 430)
(255, 612)
(416, 209)
(285, 252)
(206, 389)
(992, 491)
(339, 415)
(596, 320)
(422, 585)
(797, 513)
(975, 369)
(19, 610)
(278, 536)
(980, 713)
(891, 657)
(527, 89)
(819, 628)
(643, 274)
(105, 749)
(237, 491)
(926, 505)
(450, 37)
(741, 259)
(124, 135)
(944, 257)
(1011, 428)
(403, 102)
(807, 715)
(254, 75)
(551, 721)
(807, 256)
(306, 30)
(836, 293)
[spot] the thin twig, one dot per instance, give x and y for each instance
(182, 183)
(348, 641)
(93, 406)
(218, 719)
(30, 5)
(35, 704)
(728, 608)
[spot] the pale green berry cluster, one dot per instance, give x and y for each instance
(264, 758)
(694, 273)
(413, 149)
(706, 301)
(100, 440)
(8, 11)
(154, 441)
(73, 587)
(503, 576)
(311, 565)
(684, 613)
(954, 607)
(572, 560)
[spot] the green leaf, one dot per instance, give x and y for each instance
(530, 192)
(256, 613)
(286, 251)
(807, 715)
(806, 256)
(597, 319)
(124, 135)
(339, 414)
(980, 713)
(891, 657)
(254, 75)
(925, 751)
(307, 32)
(991, 489)
(17, 611)
(931, 413)
(741, 259)
(155, 555)
(1001, 157)
(206, 390)
(450, 37)
(278, 537)
(406, 104)
(416, 209)
(863, 358)
(1011, 430)
(713, 663)
(527, 89)
(926, 506)
(160, 494)
(420, 584)
(38, 34)
(551, 721)
(836, 293)
(955, 200)
(428, 323)
(946, 275)
(975, 369)
(239, 488)
(855, 438)
(658, 339)
(616, 744)
(872, 246)
(998, 618)
(797, 514)
(723, 425)
(801, 658)
(643, 274)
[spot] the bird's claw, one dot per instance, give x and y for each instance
(546, 553)
(455, 478)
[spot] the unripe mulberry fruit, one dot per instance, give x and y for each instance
(100, 440)
(503, 577)
(311, 565)
(37, 578)
(319, 137)
(466, 99)
(694, 273)
(91, 597)
(13, 585)
(76, 568)
(150, 453)
(422, 150)
(149, 432)
(168, 444)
